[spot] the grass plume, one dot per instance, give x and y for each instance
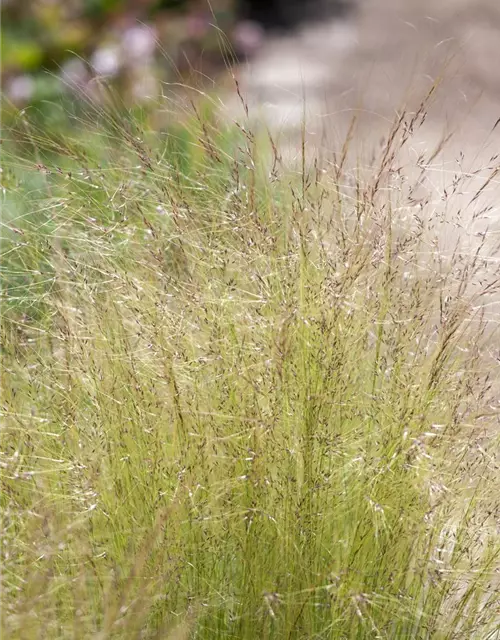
(238, 401)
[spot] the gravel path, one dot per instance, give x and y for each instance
(385, 55)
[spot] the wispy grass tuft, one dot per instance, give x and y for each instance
(238, 401)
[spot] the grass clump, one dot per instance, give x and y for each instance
(238, 402)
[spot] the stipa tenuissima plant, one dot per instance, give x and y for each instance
(239, 402)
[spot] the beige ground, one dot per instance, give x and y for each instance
(387, 54)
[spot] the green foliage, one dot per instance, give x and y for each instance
(40, 40)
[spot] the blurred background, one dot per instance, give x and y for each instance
(51, 47)
(55, 46)
(371, 56)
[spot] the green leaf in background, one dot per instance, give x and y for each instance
(20, 52)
